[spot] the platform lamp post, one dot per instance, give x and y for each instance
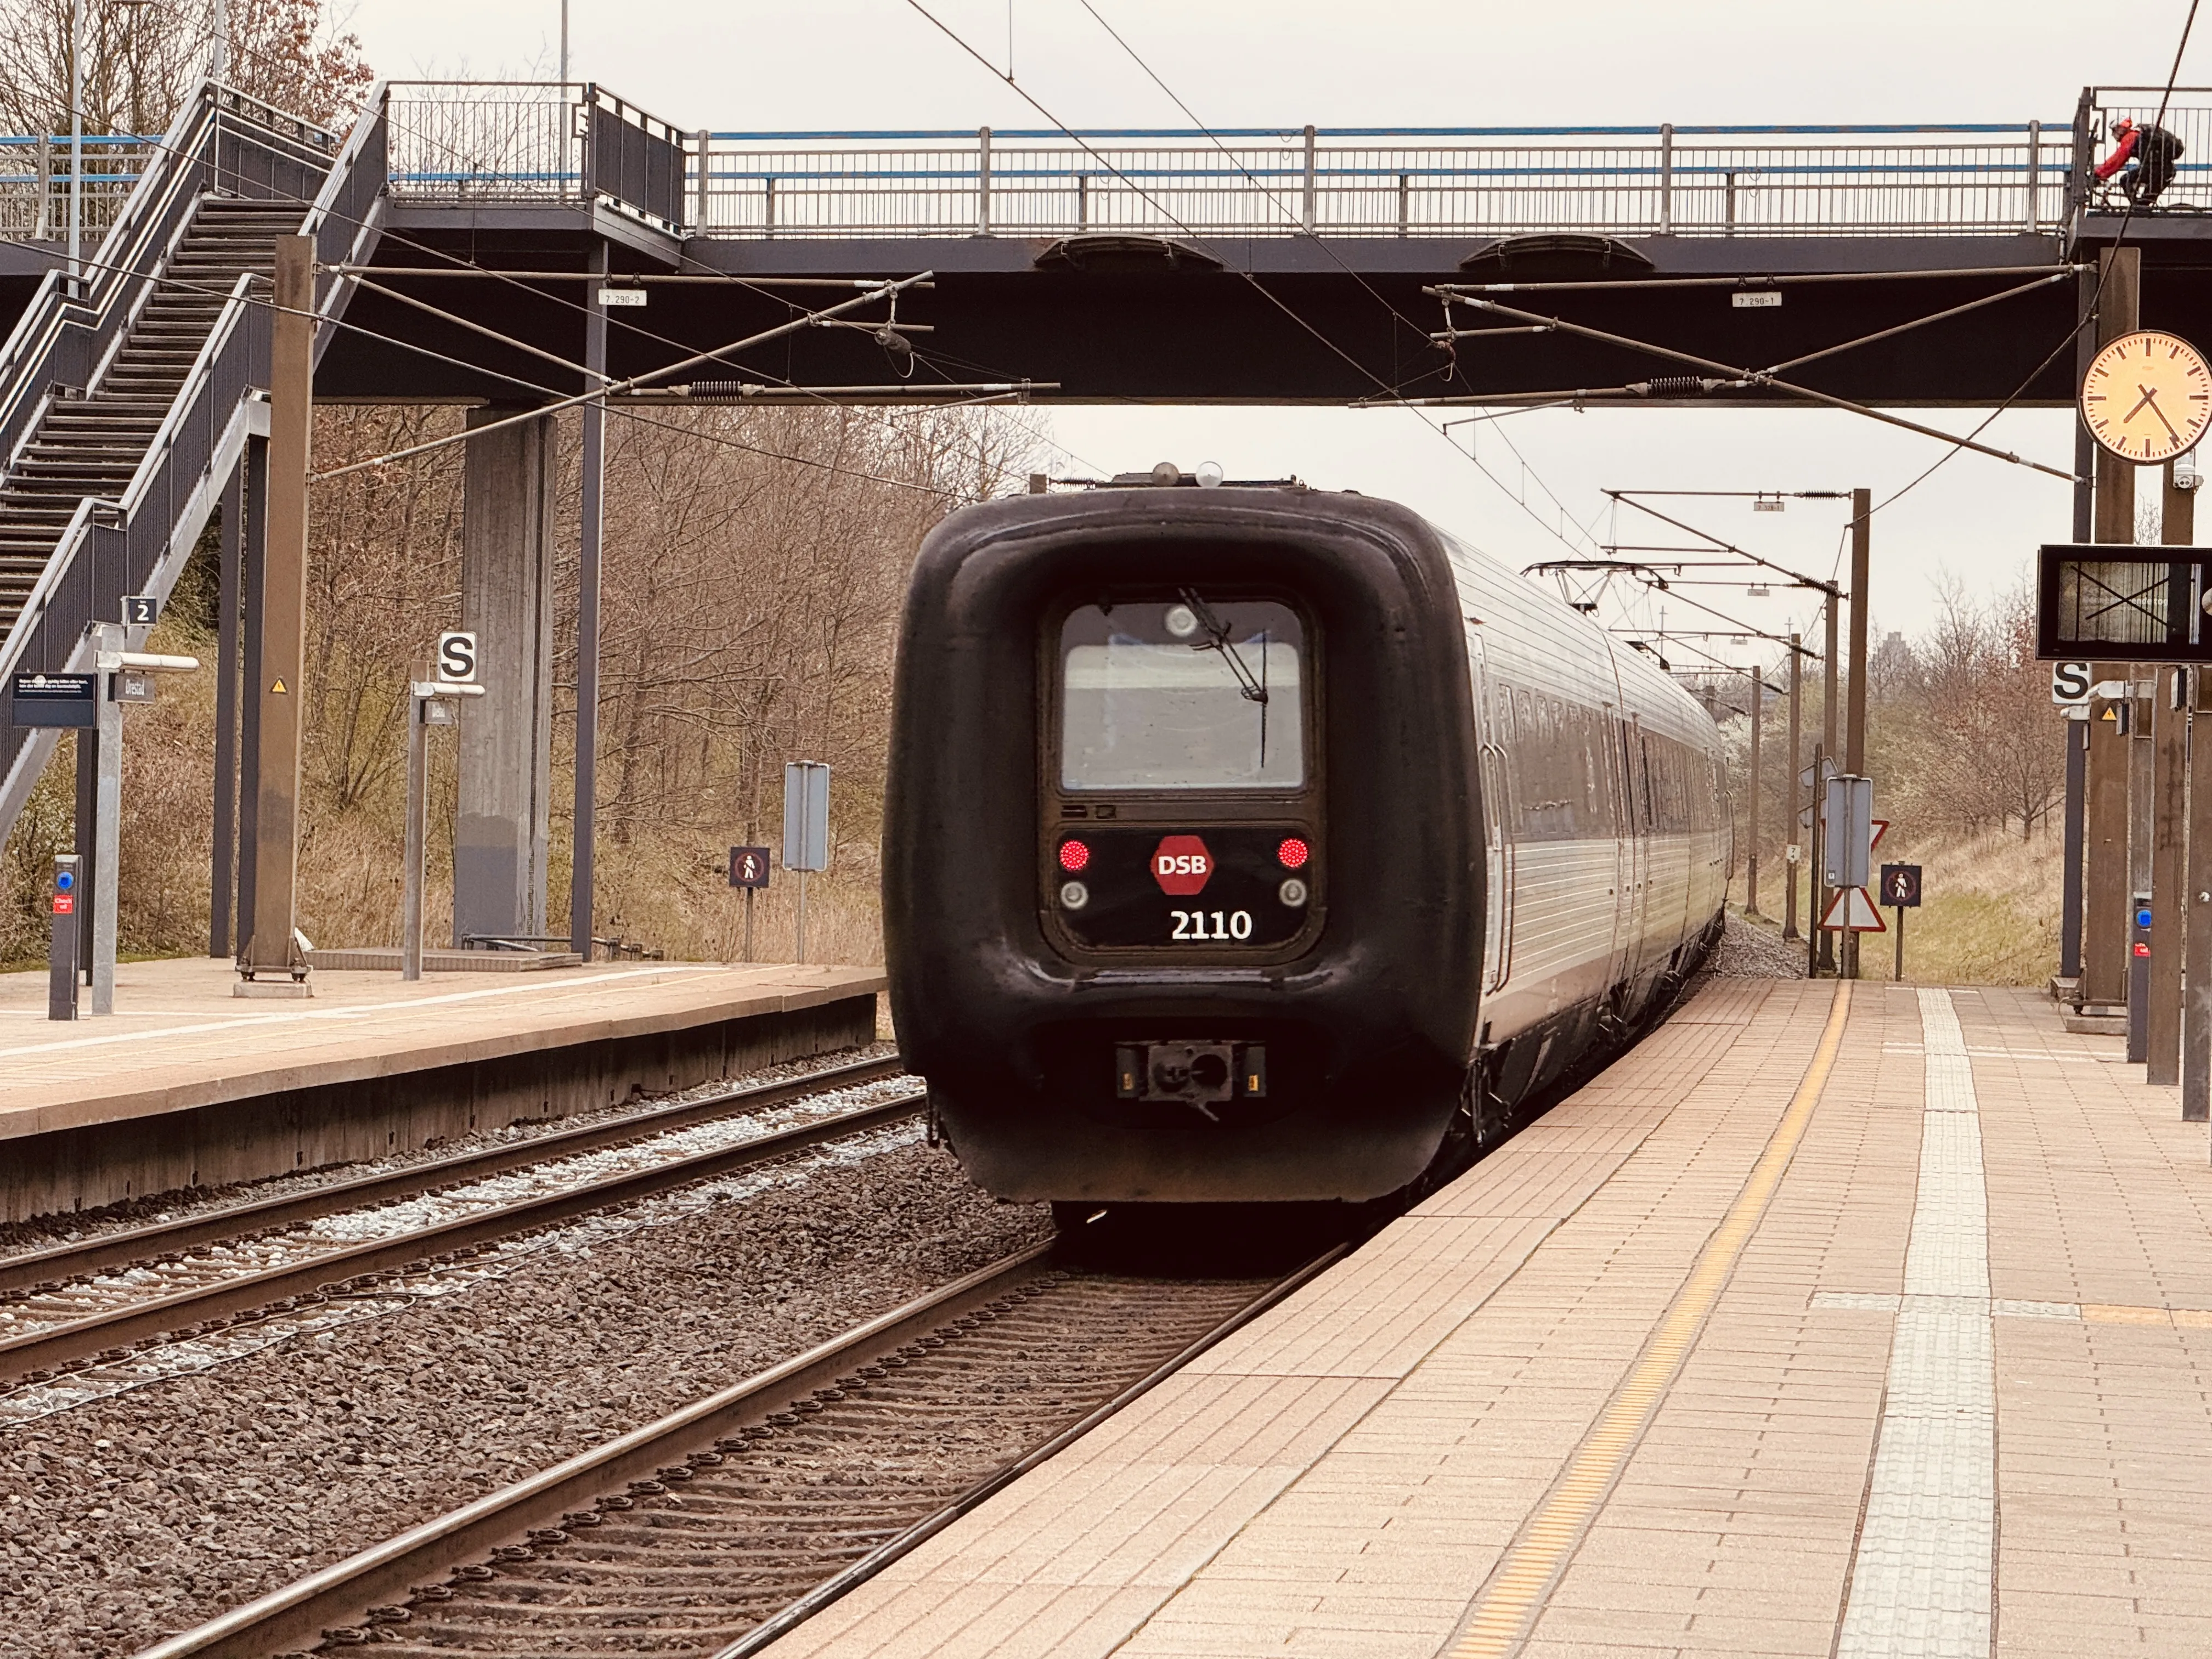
(124, 677)
(76, 145)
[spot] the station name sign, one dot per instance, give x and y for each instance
(43, 699)
(2122, 603)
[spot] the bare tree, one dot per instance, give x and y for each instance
(142, 57)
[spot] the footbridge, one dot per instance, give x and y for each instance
(465, 236)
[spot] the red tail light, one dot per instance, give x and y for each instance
(1073, 856)
(1292, 853)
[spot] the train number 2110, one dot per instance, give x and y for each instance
(1191, 925)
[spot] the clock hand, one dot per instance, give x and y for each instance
(2150, 397)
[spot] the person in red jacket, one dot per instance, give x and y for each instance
(2123, 153)
(2144, 159)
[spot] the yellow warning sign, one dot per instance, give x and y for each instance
(278, 689)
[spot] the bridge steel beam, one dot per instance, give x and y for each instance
(2104, 884)
(501, 835)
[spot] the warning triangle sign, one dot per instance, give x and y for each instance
(1853, 912)
(278, 689)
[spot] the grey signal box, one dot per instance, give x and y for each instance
(1846, 851)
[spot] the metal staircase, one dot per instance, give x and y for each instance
(128, 397)
(93, 445)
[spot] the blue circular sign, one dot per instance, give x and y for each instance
(64, 881)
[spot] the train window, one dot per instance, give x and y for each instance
(1186, 693)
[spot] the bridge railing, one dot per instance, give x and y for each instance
(520, 143)
(2103, 108)
(1694, 181)
(458, 141)
(35, 182)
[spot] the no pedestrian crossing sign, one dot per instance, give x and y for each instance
(749, 866)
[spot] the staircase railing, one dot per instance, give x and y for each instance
(138, 543)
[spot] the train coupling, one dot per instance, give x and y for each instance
(1199, 1074)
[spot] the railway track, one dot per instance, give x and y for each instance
(94, 1302)
(716, 1529)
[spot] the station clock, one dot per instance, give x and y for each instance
(2148, 396)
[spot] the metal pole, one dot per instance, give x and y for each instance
(418, 794)
(1751, 865)
(2196, 969)
(1789, 787)
(1899, 976)
(2070, 874)
(2034, 174)
(749, 924)
(219, 58)
(1825, 942)
(1666, 179)
(222, 863)
(1309, 205)
(1816, 939)
(699, 213)
(108, 815)
(564, 42)
(269, 948)
(1855, 726)
(584, 837)
(982, 181)
(76, 141)
(800, 955)
(2169, 872)
(2106, 884)
(254, 526)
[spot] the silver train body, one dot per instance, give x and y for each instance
(1606, 830)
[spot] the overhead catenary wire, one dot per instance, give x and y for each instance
(613, 407)
(1393, 396)
(811, 319)
(1202, 242)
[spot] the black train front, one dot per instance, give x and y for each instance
(1185, 845)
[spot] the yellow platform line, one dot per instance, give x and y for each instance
(1500, 1619)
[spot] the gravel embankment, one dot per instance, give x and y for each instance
(146, 1513)
(38, 1232)
(1747, 951)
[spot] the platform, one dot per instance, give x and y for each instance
(187, 1086)
(1847, 1321)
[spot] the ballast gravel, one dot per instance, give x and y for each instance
(38, 1232)
(130, 1517)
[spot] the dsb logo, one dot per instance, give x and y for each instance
(1181, 864)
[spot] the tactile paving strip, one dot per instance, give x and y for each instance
(1920, 1585)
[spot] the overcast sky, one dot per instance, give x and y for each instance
(844, 63)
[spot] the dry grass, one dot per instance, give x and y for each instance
(1989, 913)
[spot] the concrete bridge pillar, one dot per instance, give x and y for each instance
(506, 734)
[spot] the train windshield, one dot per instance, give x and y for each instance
(1184, 694)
